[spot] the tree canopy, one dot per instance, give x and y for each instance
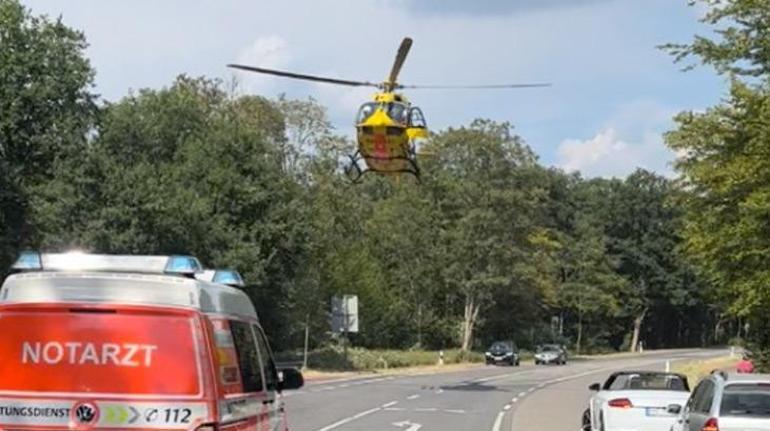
(492, 245)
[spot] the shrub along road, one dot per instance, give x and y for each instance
(478, 399)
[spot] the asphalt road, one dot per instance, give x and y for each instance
(529, 397)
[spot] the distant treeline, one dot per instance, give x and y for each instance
(491, 245)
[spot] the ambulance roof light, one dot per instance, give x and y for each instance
(79, 261)
(28, 261)
(228, 277)
(184, 265)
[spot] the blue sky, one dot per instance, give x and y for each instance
(613, 95)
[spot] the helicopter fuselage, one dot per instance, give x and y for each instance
(387, 129)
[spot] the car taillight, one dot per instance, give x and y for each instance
(711, 425)
(621, 403)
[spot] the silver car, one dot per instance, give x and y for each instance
(726, 402)
(551, 354)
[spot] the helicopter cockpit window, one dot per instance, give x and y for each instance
(397, 112)
(366, 111)
(416, 119)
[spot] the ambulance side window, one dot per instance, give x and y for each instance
(248, 357)
(271, 374)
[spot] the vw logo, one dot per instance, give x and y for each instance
(85, 413)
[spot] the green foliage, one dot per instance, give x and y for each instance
(358, 359)
(46, 111)
(724, 167)
(490, 246)
(742, 45)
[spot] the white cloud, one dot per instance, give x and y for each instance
(633, 138)
(270, 52)
(609, 155)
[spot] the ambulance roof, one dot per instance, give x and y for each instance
(126, 288)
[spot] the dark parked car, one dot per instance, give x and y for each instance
(503, 352)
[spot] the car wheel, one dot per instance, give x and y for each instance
(517, 363)
(587, 420)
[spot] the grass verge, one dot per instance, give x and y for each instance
(696, 370)
(335, 359)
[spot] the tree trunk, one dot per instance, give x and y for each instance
(307, 339)
(469, 321)
(419, 325)
(718, 329)
(637, 329)
(579, 334)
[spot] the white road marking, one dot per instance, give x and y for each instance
(507, 407)
(522, 394)
(412, 397)
(439, 391)
(458, 411)
(498, 422)
(390, 404)
(514, 400)
(431, 409)
(395, 409)
(413, 426)
(348, 419)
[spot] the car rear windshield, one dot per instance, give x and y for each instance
(746, 400)
(651, 382)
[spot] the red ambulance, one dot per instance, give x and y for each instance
(133, 342)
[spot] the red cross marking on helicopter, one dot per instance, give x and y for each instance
(380, 146)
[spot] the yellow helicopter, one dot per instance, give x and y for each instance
(389, 127)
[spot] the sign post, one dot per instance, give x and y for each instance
(345, 317)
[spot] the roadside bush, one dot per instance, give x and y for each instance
(358, 359)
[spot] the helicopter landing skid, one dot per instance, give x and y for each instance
(354, 172)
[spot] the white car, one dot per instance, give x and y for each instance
(636, 401)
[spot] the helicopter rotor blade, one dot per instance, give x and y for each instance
(471, 87)
(403, 51)
(304, 76)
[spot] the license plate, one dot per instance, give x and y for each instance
(657, 411)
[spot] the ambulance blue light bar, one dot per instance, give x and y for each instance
(228, 277)
(79, 261)
(28, 261)
(186, 265)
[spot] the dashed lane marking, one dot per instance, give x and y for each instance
(348, 419)
(498, 422)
